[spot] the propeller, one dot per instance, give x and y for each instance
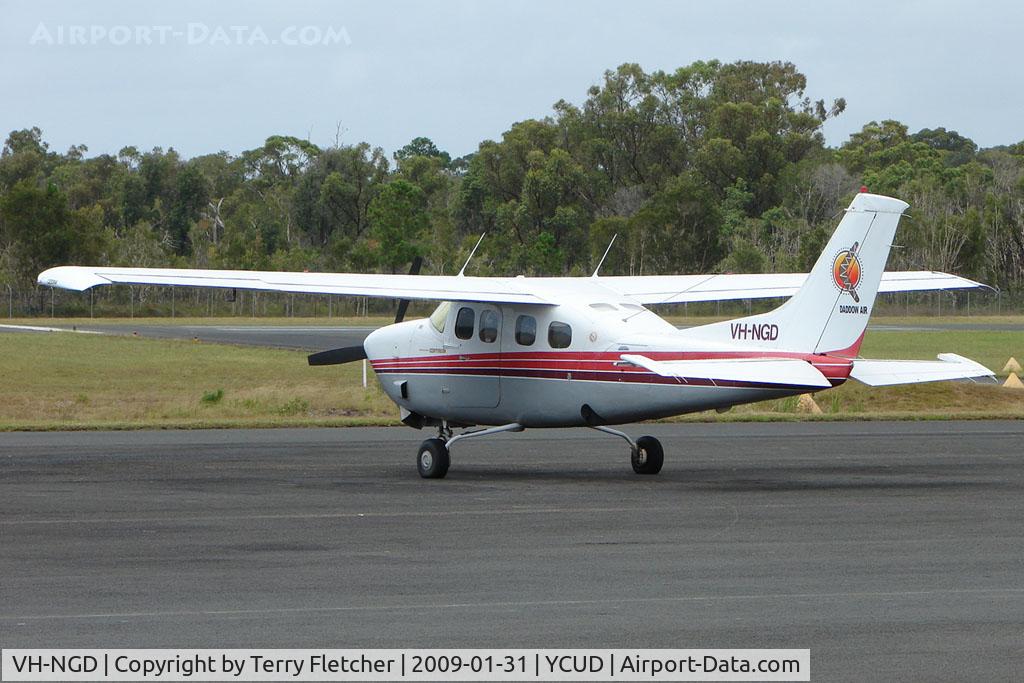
(347, 354)
(403, 304)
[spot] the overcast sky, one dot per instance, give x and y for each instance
(225, 75)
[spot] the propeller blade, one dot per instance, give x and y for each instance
(403, 304)
(346, 354)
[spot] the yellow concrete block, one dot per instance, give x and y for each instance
(806, 404)
(1012, 366)
(1013, 382)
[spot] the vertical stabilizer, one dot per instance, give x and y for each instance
(830, 312)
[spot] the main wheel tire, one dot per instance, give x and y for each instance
(432, 459)
(648, 456)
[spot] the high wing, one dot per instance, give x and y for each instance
(645, 289)
(781, 371)
(430, 287)
(677, 289)
(880, 373)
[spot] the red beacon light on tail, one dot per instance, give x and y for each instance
(863, 188)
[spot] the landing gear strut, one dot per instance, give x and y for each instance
(432, 460)
(646, 454)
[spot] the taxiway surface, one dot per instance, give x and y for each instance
(891, 550)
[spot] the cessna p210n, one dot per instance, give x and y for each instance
(515, 353)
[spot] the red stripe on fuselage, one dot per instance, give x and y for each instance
(594, 366)
(642, 377)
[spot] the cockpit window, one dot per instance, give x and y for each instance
(464, 323)
(440, 315)
(559, 335)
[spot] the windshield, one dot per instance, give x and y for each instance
(440, 315)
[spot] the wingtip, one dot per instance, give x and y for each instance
(75, 278)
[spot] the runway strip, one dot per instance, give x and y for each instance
(891, 550)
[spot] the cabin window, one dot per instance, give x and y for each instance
(464, 323)
(440, 316)
(559, 335)
(526, 330)
(488, 325)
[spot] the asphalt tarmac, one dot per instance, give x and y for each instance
(894, 551)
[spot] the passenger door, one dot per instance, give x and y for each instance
(473, 342)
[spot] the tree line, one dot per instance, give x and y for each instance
(713, 167)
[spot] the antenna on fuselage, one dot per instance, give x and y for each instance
(463, 271)
(601, 263)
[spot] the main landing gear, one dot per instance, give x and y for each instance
(646, 453)
(433, 460)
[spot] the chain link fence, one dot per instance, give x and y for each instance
(191, 302)
(183, 302)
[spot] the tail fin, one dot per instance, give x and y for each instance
(829, 313)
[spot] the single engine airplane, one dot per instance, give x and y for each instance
(509, 354)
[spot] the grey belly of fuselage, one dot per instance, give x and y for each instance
(534, 402)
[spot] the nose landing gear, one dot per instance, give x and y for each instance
(432, 459)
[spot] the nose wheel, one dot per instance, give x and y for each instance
(432, 460)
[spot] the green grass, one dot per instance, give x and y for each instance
(59, 380)
(991, 348)
(71, 381)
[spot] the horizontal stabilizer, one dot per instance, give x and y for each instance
(781, 371)
(878, 373)
(669, 289)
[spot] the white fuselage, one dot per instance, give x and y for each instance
(555, 365)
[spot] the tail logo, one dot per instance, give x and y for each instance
(846, 271)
